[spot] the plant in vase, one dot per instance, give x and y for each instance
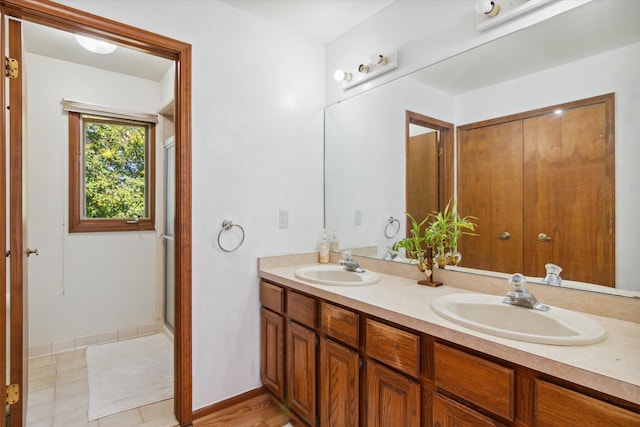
(416, 248)
(457, 228)
(439, 232)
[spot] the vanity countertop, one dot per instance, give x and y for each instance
(610, 366)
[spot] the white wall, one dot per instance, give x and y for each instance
(365, 143)
(423, 31)
(81, 284)
(578, 80)
(258, 98)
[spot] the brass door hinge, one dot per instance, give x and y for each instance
(440, 151)
(11, 68)
(13, 393)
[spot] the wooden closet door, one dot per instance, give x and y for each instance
(422, 175)
(490, 188)
(568, 194)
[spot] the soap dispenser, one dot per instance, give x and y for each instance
(334, 244)
(323, 248)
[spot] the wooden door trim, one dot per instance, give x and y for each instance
(51, 14)
(445, 163)
(3, 228)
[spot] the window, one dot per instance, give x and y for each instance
(111, 173)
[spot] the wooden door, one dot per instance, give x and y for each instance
(18, 234)
(272, 360)
(449, 413)
(490, 188)
(568, 194)
(301, 371)
(393, 400)
(339, 385)
(422, 175)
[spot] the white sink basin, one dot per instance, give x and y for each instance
(335, 275)
(488, 314)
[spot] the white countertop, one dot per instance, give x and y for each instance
(612, 366)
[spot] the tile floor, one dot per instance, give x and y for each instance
(59, 396)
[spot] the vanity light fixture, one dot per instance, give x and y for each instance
(487, 7)
(342, 76)
(378, 64)
(95, 46)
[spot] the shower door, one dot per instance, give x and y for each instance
(169, 244)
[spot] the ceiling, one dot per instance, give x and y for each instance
(587, 30)
(321, 20)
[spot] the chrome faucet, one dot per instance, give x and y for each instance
(553, 275)
(520, 296)
(349, 263)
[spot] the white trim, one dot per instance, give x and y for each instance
(117, 113)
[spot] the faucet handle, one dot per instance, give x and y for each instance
(517, 282)
(346, 255)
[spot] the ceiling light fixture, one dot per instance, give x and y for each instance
(378, 64)
(95, 46)
(487, 7)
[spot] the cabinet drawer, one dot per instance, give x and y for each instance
(558, 406)
(339, 323)
(272, 296)
(476, 380)
(301, 308)
(396, 348)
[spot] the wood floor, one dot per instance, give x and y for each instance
(259, 411)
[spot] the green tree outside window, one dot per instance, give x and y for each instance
(115, 167)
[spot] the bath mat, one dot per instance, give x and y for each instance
(127, 374)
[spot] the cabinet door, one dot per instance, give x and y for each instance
(272, 361)
(393, 400)
(490, 188)
(339, 385)
(558, 407)
(449, 413)
(301, 371)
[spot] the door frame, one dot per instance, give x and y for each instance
(54, 15)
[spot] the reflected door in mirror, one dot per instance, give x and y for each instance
(560, 188)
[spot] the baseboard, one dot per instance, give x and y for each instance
(223, 404)
(76, 343)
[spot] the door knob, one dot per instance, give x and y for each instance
(543, 237)
(32, 252)
(504, 236)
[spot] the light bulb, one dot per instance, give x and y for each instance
(379, 59)
(342, 75)
(487, 7)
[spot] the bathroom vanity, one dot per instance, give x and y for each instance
(378, 355)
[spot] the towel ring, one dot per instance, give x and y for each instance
(390, 225)
(227, 225)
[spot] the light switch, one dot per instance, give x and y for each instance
(283, 219)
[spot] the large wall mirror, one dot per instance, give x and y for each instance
(589, 51)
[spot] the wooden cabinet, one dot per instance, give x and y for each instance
(558, 407)
(546, 178)
(408, 378)
(339, 396)
(481, 382)
(272, 360)
(301, 371)
(393, 400)
(449, 413)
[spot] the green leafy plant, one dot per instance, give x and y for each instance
(459, 227)
(412, 245)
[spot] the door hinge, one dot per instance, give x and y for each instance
(11, 68)
(440, 151)
(13, 393)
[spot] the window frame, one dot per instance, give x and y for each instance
(78, 223)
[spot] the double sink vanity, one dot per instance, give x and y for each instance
(376, 348)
